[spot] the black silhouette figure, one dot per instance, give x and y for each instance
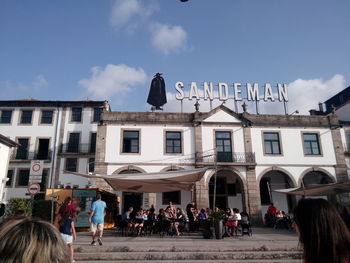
(157, 95)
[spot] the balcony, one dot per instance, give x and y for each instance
(25, 155)
(225, 158)
(77, 149)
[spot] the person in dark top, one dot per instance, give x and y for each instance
(189, 210)
(67, 230)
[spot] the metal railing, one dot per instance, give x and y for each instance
(25, 155)
(211, 156)
(80, 148)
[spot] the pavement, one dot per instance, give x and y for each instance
(265, 243)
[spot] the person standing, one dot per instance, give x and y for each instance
(67, 230)
(96, 219)
(322, 233)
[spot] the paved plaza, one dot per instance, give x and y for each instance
(266, 245)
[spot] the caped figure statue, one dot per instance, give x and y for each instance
(157, 95)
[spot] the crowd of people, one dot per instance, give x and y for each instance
(276, 218)
(322, 231)
(175, 221)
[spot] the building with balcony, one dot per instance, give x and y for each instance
(60, 133)
(248, 155)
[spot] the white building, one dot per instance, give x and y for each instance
(5, 150)
(255, 155)
(61, 133)
(340, 105)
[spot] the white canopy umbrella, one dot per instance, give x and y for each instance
(318, 190)
(150, 182)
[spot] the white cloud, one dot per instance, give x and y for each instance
(167, 39)
(128, 14)
(305, 94)
(39, 82)
(113, 80)
(21, 90)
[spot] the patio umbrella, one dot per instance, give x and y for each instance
(318, 190)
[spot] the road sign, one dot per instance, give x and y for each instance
(36, 167)
(33, 188)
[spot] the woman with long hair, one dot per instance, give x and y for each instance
(322, 232)
(27, 240)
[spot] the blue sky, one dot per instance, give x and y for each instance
(73, 50)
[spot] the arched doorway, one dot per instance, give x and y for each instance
(273, 180)
(229, 190)
(316, 177)
(129, 198)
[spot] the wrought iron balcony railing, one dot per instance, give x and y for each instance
(212, 156)
(25, 155)
(78, 149)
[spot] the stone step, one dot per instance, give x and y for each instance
(186, 256)
(195, 261)
(179, 247)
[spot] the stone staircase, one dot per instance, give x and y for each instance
(190, 247)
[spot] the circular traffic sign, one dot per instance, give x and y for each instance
(36, 167)
(34, 188)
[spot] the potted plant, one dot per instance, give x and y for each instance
(207, 225)
(217, 218)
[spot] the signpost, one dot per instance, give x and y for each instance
(33, 189)
(36, 171)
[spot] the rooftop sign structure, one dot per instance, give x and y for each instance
(235, 91)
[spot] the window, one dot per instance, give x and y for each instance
(311, 144)
(73, 142)
(46, 117)
(223, 146)
(265, 191)
(71, 164)
(9, 177)
(43, 149)
(22, 151)
(91, 165)
(6, 116)
(173, 142)
(272, 143)
(130, 142)
(76, 114)
(174, 197)
(93, 142)
(26, 117)
(97, 114)
(347, 137)
(23, 178)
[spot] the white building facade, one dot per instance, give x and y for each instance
(62, 134)
(251, 155)
(5, 152)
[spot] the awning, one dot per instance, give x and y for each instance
(150, 182)
(318, 190)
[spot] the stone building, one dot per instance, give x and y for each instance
(249, 155)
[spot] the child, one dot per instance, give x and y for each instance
(67, 230)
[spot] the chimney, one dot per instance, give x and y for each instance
(320, 106)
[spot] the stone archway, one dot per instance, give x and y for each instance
(130, 199)
(316, 176)
(230, 190)
(273, 180)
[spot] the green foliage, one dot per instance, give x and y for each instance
(16, 204)
(206, 224)
(218, 215)
(42, 209)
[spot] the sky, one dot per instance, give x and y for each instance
(111, 49)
